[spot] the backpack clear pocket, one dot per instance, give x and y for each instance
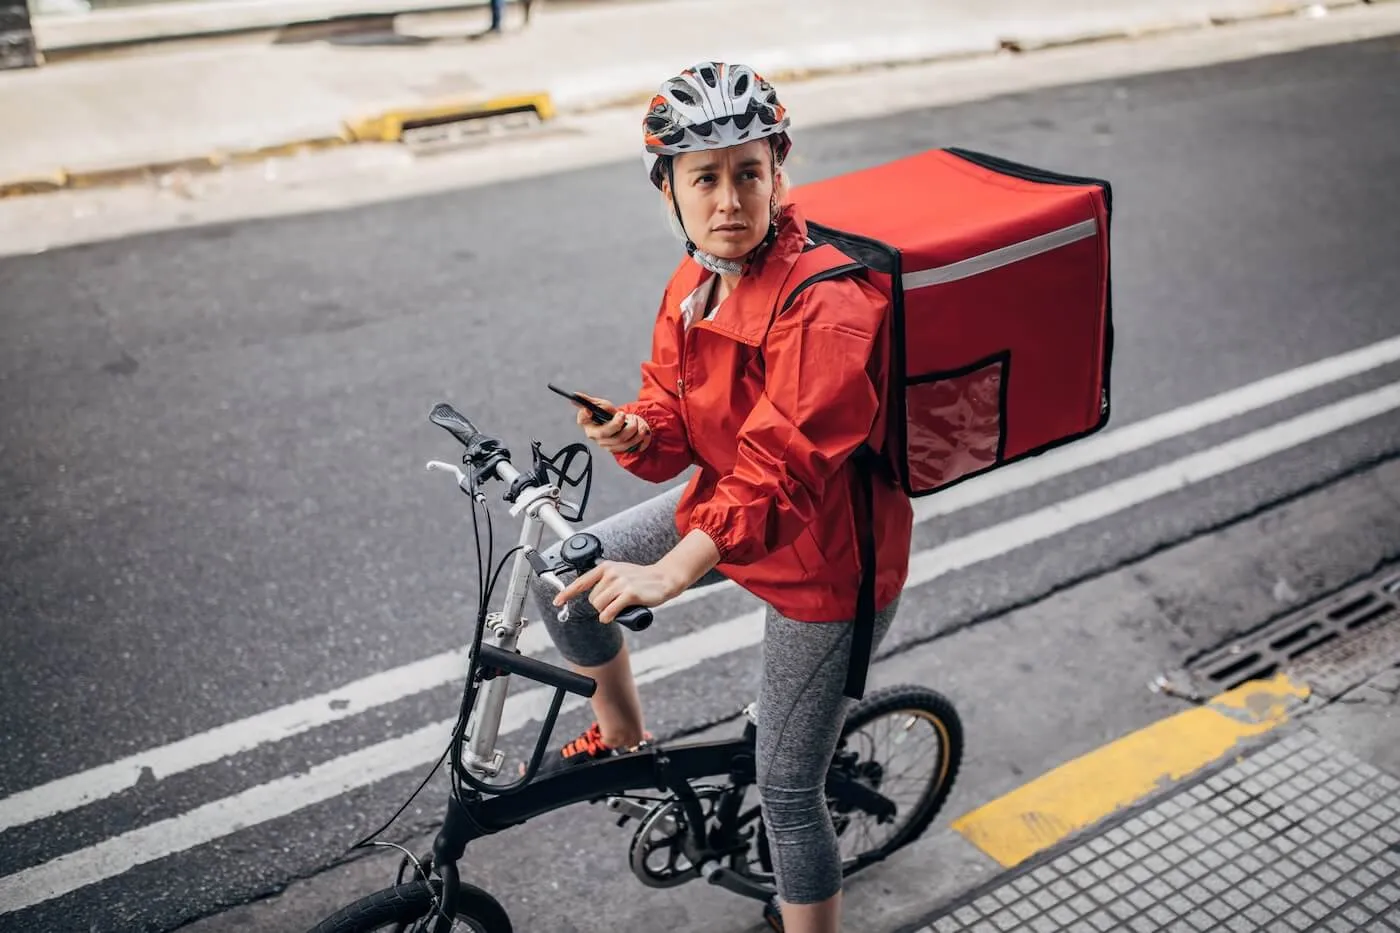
(955, 422)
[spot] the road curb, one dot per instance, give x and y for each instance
(1121, 774)
(386, 126)
(389, 126)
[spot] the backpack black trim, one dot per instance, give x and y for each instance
(1001, 357)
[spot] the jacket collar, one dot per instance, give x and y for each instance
(748, 312)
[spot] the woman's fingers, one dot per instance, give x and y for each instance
(606, 590)
(611, 601)
(618, 434)
(623, 432)
(579, 586)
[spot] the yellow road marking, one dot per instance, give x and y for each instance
(1081, 792)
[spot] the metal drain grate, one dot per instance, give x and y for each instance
(1347, 636)
(1337, 667)
(430, 135)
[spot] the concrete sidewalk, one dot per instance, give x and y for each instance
(108, 120)
(1273, 806)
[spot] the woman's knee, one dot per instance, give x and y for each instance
(802, 840)
(792, 810)
(580, 638)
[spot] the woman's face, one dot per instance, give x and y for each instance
(726, 197)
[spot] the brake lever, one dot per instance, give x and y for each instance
(463, 480)
(549, 574)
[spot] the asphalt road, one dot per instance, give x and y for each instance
(213, 443)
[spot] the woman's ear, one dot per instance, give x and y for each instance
(781, 188)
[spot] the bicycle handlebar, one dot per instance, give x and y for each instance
(486, 453)
(455, 422)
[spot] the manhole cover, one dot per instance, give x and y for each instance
(1332, 644)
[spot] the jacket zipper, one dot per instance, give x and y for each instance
(680, 368)
(680, 365)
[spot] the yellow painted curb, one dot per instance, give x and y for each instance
(121, 174)
(40, 184)
(96, 178)
(389, 126)
(1081, 792)
(281, 150)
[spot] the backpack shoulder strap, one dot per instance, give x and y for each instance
(821, 259)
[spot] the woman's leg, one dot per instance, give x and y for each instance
(641, 534)
(801, 710)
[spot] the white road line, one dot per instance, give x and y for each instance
(76, 790)
(257, 805)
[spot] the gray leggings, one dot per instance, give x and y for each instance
(801, 707)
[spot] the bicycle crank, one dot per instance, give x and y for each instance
(662, 853)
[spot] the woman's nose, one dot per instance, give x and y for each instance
(729, 196)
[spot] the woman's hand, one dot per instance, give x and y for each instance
(616, 586)
(625, 433)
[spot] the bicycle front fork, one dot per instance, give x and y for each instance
(448, 849)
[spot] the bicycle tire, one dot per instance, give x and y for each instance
(409, 903)
(940, 710)
(899, 698)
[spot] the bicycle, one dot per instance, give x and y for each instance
(701, 826)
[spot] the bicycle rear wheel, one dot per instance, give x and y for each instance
(878, 732)
(884, 731)
(400, 910)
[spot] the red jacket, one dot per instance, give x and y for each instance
(769, 406)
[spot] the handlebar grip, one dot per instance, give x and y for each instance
(456, 423)
(636, 618)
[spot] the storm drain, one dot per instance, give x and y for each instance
(428, 135)
(1331, 645)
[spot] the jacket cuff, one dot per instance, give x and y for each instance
(660, 419)
(716, 534)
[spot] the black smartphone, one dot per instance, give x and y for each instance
(600, 415)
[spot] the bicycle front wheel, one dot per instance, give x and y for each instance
(403, 909)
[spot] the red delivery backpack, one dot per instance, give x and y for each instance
(1000, 335)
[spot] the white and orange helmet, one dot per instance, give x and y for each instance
(712, 105)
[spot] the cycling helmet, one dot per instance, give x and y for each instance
(712, 105)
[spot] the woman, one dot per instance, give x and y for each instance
(769, 391)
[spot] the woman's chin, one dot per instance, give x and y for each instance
(729, 247)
